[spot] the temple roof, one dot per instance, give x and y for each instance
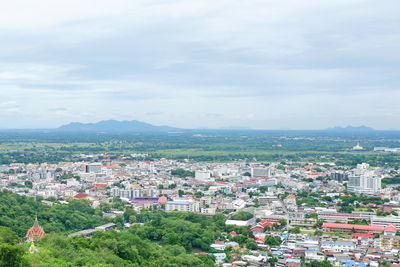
(36, 232)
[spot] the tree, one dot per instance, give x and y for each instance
(273, 240)
(28, 184)
(272, 261)
(182, 173)
(198, 194)
(251, 244)
(242, 216)
(7, 235)
(283, 222)
(295, 230)
(318, 233)
(11, 256)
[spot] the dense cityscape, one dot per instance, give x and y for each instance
(182, 133)
(270, 214)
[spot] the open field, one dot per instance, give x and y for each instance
(303, 146)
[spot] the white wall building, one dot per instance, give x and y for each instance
(182, 205)
(364, 181)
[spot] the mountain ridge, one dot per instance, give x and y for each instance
(361, 128)
(115, 126)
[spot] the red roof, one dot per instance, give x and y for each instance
(257, 229)
(362, 235)
(391, 228)
(353, 226)
(81, 195)
(233, 233)
(97, 187)
(264, 223)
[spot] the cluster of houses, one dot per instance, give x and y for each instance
(270, 192)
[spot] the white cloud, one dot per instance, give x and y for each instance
(260, 63)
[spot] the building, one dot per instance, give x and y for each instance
(343, 228)
(358, 147)
(35, 233)
(335, 216)
(202, 175)
(385, 221)
(182, 205)
(389, 242)
(129, 193)
(338, 246)
(261, 172)
(93, 168)
(339, 175)
(364, 181)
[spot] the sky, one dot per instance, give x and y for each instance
(262, 64)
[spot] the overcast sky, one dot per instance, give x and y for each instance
(264, 64)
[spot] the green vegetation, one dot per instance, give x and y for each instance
(182, 173)
(165, 239)
(273, 240)
(52, 147)
(317, 264)
(18, 213)
(242, 216)
(394, 180)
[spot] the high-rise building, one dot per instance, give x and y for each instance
(261, 172)
(339, 175)
(93, 168)
(364, 181)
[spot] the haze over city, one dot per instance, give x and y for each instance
(303, 64)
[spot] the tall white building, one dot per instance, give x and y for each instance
(364, 181)
(202, 175)
(261, 172)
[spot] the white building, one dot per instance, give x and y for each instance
(385, 221)
(358, 147)
(364, 181)
(202, 175)
(261, 172)
(182, 205)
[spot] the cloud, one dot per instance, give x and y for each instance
(260, 63)
(8, 103)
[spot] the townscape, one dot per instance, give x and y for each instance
(279, 214)
(178, 133)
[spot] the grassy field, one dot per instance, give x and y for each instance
(54, 147)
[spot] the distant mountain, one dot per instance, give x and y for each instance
(235, 128)
(110, 126)
(350, 128)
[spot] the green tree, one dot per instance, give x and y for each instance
(11, 256)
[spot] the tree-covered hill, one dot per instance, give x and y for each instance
(164, 239)
(18, 213)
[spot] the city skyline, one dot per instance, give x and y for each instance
(256, 64)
